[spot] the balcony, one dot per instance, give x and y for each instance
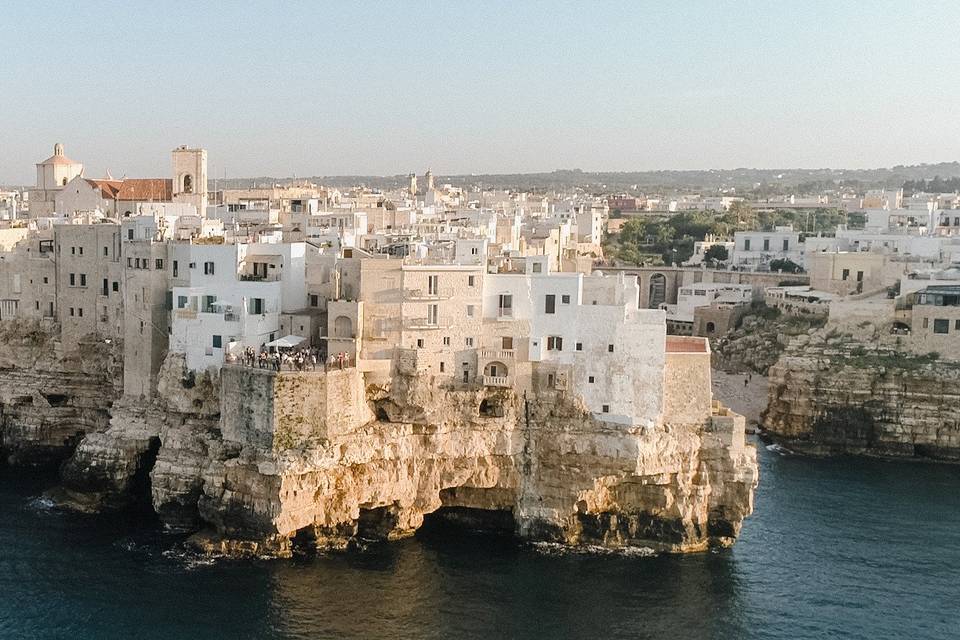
(259, 277)
(496, 381)
(495, 354)
(426, 323)
(421, 294)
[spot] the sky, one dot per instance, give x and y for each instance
(382, 88)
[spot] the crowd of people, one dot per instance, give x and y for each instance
(305, 359)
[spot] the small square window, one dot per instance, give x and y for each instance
(590, 379)
(441, 367)
(419, 343)
(116, 286)
(469, 342)
(446, 341)
(610, 348)
(217, 342)
(579, 346)
(565, 299)
(606, 408)
(471, 280)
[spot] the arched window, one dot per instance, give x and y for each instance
(188, 183)
(658, 291)
(711, 327)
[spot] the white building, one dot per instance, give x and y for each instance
(754, 248)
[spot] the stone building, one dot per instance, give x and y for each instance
(52, 176)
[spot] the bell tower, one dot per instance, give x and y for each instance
(190, 177)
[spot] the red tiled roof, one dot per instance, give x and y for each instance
(108, 188)
(146, 190)
(686, 344)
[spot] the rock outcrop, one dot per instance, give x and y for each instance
(259, 462)
(857, 390)
(757, 342)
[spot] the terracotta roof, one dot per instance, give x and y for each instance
(146, 190)
(108, 188)
(58, 160)
(686, 344)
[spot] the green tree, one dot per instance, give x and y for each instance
(785, 265)
(715, 254)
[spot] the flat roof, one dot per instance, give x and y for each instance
(686, 344)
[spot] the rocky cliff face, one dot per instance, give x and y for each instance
(50, 397)
(262, 463)
(858, 391)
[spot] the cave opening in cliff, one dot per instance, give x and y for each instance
(376, 523)
(140, 486)
(55, 399)
(490, 408)
(471, 511)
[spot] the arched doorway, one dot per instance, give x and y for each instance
(657, 291)
(495, 370)
(343, 327)
(188, 183)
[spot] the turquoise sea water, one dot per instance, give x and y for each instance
(839, 548)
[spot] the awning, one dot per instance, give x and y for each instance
(285, 341)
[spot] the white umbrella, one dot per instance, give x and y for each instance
(285, 341)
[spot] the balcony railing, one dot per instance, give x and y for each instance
(259, 277)
(495, 354)
(427, 294)
(427, 323)
(496, 381)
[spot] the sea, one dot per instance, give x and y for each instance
(837, 548)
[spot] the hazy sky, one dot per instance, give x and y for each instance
(277, 88)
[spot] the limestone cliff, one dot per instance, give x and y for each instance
(261, 462)
(857, 390)
(50, 396)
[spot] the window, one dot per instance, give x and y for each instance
(433, 285)
(71, 311)
(565, 299)
(471, 281)
(46, 280)
(711, 327)
(845, 274)
(314, 300)
(590, 379)
(766, 244)
(182, 302)
(116, 286)
(746, 244)
(176, 268)
(941, 325)
(106, 287)
(469, 342)
(606, 408)
(926, 322)
(73, 280)
(83, 279)
(81, 250)
(73, 251)
(859, 276)
(217, 342)
(129, 234)
(159, 263)
(505, 306)
(188, 183)
(80, 311)
(474, 251)
(208, 304)
(441, 367)
(579, 346)
(537, 267)
(419, 343)
(106, 252)
(256, 306)
(446, 341)
(433, 311)
(550, 304)
(469, 310)
(208, 268)
(137, 262)
(609, 348)
(506, 342)
(554, 343)
(129, 262)
(956, 325)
